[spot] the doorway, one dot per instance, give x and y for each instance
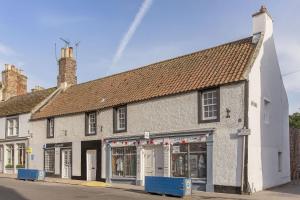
(1, 159)
(154, 160)
(66, 169)
(91, 165)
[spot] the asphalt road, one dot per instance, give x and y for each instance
(11, 189)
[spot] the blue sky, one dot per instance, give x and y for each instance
(29, 29)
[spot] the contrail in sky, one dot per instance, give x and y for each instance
(134, 25)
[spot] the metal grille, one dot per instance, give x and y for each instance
(49, 160)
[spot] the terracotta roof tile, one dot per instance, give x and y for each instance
(23, 103)
(211, 67)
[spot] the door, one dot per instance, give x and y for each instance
(91, 165)
(66, 163)
(154, 160)
(1, 159)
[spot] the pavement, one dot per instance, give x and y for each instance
(62, 189)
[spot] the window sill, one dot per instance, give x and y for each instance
(90, 134)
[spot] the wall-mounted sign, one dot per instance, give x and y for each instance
(28, 150)
(147, 135)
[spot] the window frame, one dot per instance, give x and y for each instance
(115, 119)
(49, 127)
(200, 105)
(87, 123)
(48, 172)
(13, 118)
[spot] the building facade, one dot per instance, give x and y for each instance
(211, 116)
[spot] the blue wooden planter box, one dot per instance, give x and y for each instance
(31, 174)
(168, 185)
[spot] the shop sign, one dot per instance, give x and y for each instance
(28, 150)
(199, 138)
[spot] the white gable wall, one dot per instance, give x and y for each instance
(268, 136)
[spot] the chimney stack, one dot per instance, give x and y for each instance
(14, 82)
(262, 22)
(67, 68)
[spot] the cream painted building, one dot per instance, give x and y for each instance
(218, 116)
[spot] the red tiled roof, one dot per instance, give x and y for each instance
(211, 67)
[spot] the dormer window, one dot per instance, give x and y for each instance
(12, 126)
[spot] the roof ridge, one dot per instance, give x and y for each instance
(162, 61)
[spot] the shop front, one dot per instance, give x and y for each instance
(58, 160)
(189, 155)
(12, 156)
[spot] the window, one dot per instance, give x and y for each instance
(12, 127)
(120, 119)
(124, 161)
(267, 111)
(10, 156)
(189, 160)
(21, 155)
(49, 160)
(50, 127)
(209, 101)
(279, 161)
(91, 123)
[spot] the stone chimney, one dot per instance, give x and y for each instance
(14, 82)
(67, 68)
(262, 22)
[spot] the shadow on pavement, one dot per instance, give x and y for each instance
(290, 188)
(10, 194)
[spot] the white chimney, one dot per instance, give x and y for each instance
(262, 22)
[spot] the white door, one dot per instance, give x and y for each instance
(159, 160)
(1, 159)
(66, 163)
(149, 162)
(154, 160)
(91, 165)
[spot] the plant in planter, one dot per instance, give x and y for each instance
(9, 166)
(19, 166)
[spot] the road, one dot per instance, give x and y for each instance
(11, 189)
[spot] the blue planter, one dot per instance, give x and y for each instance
(168, 185)
(31, 174)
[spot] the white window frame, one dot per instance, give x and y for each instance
(51, 125)
(12, 127)
(92, 120)
(209, 105)
(121, 118)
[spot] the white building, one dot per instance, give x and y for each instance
(218, 116)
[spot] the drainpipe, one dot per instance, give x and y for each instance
(244, 171)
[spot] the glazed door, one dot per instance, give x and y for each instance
(91, 165)
(1, 159)
(66, 163)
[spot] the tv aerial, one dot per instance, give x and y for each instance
(67, 42)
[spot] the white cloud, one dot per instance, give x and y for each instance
(134, 25)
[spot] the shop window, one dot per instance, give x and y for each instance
(120, 119)
(124, 161)
(50, 127)
(91, 123)
(21, 156)
(10, 156)
(49, 161)
(12, 127)
(189, 160)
